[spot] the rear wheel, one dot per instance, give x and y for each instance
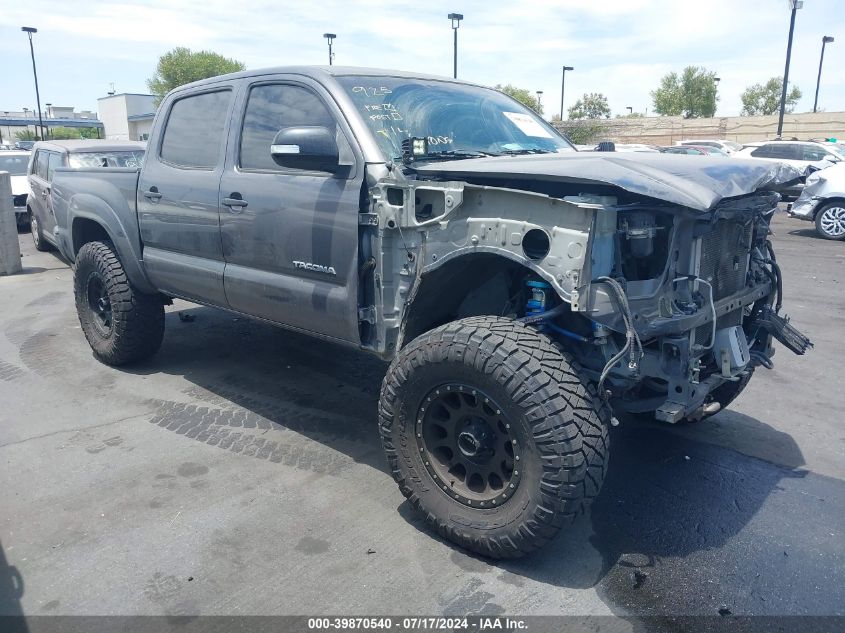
(830, 221)
(122, 325)
(492, 435)
(37, 236)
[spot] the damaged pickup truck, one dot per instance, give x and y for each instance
(523, 292)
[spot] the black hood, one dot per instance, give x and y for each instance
(697, 182)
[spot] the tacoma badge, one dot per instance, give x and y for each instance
(317, 268)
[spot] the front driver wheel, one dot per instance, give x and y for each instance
(492, 435)
(122, 325)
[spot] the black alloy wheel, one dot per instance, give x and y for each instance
(466, 440)
(99, 304)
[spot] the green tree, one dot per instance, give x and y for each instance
(26, 135)
(590, 106)
(61, 132)
(692, 94)
(522, 95)
(581, 132)
(182, 65)
(89, 132)
(765, 98)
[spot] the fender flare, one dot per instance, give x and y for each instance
(84, 206)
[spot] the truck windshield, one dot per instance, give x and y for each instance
(456, 119)
(79, 160)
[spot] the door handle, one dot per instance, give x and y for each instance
(235, 204)
(152, 194)
(44, 193)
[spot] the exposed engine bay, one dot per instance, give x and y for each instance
(660, 303)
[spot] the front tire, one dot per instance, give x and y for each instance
(830, 221)
(492, 435)
(122, 325)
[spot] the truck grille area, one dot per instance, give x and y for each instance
(724, 257)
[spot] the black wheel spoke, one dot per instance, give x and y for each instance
(468, 441)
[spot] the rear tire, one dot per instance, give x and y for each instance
(830, 221)
(122, 325)
(37, 236)
(514, 386)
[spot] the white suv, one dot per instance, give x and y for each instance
(799, 154)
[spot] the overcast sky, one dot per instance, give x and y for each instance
(618, 47)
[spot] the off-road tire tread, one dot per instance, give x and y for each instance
(138, 318)
(569, 423)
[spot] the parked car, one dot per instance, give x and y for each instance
(636, 147)
(24, 145)
(521, 290)
(728, 147)
(15, 162)
(797, 153)
(47, 156)
(807, 156)
(823, 202)
(693, 150)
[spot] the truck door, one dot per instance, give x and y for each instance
(290, 235)
(39, 183)
(178, 196)
(48, 218)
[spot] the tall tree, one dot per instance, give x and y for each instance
(691, 94)
(590, 106)
(522, 95)
(182, 65)
(765, 98)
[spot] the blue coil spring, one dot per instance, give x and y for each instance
(538, 304)
(537, 296)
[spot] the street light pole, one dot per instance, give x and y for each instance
(562, 83)
(29, 31)
(539, 102)
(716, 81)
(456, 24)
(827, 39)
(795, 4)
(330, 38)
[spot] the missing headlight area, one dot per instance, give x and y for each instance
(643, 246)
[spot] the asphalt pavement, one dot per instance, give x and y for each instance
(239, 472)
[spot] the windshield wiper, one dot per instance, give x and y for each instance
(456, 154)
(518, 152)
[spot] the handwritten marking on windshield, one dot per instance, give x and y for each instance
(372, 91)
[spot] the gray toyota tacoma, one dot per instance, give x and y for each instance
(524, 293)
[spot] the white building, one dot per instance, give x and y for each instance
(127, 116)
(13, 122)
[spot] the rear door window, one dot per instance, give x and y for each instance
(787, 151)
(195, 132)
(54, 160)
(764, 151)
(40, 169)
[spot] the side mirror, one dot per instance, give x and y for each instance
(311, 148)
(831, 158)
